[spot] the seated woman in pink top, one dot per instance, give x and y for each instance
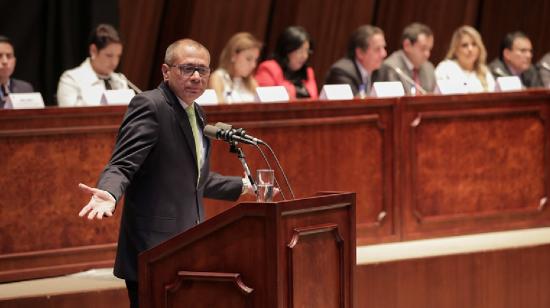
(288, 67)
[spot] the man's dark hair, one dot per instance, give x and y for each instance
(104, 35)
(5, 39)
(360, 38)
(508, 41)
(412, 31)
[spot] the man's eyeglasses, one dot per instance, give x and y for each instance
(187, 70)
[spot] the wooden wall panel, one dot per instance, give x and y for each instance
(473, 163)
(323, 147)
(498, 18)
(443, 17)
(45, 156)
(498, 279)
(102, 298)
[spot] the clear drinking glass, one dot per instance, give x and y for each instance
(265, 182)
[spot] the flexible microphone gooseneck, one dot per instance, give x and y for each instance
(408, 79)
(226, 132)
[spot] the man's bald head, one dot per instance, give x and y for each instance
(173, 51)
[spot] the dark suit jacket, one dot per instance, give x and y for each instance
(154, 165)
(18, 86)
(530, 78)
(397, 60)
(345, 71)
(544, 69)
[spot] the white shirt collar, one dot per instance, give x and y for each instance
(182, 103)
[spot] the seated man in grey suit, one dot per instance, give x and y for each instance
(366, 51)
(516, 54)
(410, 64)
(7, 66)
(544, 69)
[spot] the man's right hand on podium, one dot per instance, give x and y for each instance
(101, 204)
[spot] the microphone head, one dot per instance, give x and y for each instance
(211, 131)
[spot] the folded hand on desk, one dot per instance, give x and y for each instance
(101, 204)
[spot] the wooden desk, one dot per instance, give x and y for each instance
(421, 167)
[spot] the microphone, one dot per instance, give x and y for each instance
(408, 79)
(545, 66)
(131, 85)
(226, 132)
(239, 132)
(228, 135)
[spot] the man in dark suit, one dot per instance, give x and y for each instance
(410, 65)
(7, 66)
(516, 54)
(161, 163)
(366, 51)
(544, 69)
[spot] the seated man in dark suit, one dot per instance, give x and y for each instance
(516, 54)
(7, 66)
(410, 64)
(544, 69)
(366, 51)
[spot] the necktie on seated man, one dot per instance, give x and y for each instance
(107, 82)
(4, 92)
(196, 135)
(416, 77)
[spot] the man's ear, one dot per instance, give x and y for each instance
(93, 51)
(406, 44)
(506, 54)
(165, 68)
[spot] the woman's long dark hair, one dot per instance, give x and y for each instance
(291, 39)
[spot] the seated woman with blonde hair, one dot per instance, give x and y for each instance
(234, 81)
(466, 62)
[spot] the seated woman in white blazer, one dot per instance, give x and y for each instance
(84, 85)
(466, 62)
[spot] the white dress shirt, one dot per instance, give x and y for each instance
(451, 70)
(81, 86)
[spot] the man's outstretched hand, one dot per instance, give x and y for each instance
(101, 203)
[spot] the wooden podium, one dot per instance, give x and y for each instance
(298, 253)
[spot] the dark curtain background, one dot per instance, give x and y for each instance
(50, 36)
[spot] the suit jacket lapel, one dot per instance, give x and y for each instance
(182, 119)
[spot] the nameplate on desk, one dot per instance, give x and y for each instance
(117, 97)
(208, 98)
(508, 83)
(336, 92)
(272, 94)
(387, 89)
(447, 87)
(24, 101)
